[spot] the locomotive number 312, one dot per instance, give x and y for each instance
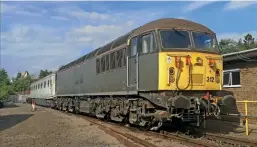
(210, 79)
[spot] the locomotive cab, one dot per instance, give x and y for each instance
(187, 75)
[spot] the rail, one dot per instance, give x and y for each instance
(230, 140)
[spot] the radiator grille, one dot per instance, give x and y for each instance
(197, 78)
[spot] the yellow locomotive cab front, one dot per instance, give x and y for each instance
(190, 71)
(189, 60)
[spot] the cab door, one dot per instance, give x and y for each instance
(132, 72)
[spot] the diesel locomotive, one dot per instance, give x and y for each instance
(166, 71)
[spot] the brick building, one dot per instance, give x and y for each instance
(240, 78)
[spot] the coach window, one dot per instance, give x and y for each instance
(231, 78)
(119, 58)
(44, 84)
(148, 43)
(124, 57)
(97, 65)
(107, 62)
(48, 83)
(38, 86)
(133, 49)
(103, 64)
(112, 63)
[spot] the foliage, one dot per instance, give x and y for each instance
(44, 73)
(5, 85)
(230, 45)
(22, 84)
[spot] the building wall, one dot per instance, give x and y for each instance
(248, 82)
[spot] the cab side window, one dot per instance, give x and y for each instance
(148, 44)
(133, 49)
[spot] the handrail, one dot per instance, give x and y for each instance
(246, 114)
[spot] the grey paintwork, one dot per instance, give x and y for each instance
(83, 79)
(44, 92)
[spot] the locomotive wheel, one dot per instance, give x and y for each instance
(147, 127)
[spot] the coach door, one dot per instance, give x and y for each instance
(132, 68)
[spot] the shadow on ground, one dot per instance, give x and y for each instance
(10, 106)
(8, 121)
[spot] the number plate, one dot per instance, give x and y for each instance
(210, 79)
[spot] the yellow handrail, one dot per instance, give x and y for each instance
(246, 114)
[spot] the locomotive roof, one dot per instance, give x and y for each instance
(163, 23)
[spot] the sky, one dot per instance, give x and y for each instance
(46, 35)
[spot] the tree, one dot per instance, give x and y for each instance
(228, 46)
(248, 40)
(44, 73)
(5, 85)
(18, 75)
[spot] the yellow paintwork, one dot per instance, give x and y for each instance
(203, 70)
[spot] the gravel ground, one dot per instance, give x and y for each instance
(19, 127)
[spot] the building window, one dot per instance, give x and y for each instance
(231, 78)
(48, 83)
(44, 84)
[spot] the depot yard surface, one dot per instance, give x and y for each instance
(20, 127)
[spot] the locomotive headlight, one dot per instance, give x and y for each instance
(171, 70)
(172, 79)
(199, 60)
(217, 80)
(217, 72)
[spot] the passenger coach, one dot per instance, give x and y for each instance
(43, 90)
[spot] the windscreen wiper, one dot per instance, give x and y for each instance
(178, 32)
(204, 33)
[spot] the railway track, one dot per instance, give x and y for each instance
(182, 139)
(133, 141)
(230, 141)
(208, 140)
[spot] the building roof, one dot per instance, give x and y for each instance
(247, 55)
(24, 74)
